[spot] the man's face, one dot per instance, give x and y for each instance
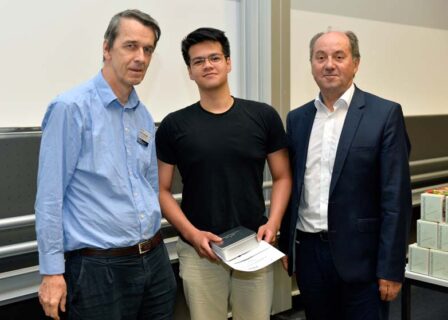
(131, 53)
(332, 64)
(208, 66)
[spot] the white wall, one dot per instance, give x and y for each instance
(404, 63)
(48, 46)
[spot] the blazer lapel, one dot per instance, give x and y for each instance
(305, 133)
(349, 129)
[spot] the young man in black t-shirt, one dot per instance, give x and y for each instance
(220, 145)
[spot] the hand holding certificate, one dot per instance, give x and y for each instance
(241, 251)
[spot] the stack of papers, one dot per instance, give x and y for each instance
(241, 251)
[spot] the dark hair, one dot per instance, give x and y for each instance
(352, 38)
(112, 30)
(202, 35)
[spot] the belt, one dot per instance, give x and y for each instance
(322, 235)
(138, 249)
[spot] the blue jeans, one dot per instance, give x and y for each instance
(119, 288)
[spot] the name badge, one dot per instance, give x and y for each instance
(143, 137)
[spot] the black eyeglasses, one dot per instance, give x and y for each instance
(213, 59)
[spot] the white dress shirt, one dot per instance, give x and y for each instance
(324, 140)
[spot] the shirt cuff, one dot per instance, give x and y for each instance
(51, 263)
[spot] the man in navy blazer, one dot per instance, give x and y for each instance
(345, 231)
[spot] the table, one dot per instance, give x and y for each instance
(420, 280)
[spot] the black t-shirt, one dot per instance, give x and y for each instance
(221, 158)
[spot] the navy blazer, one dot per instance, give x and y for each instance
(370, 203)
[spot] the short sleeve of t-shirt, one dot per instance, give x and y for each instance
(164, 142)
(276, 138)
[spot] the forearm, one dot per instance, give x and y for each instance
(281, 186)
(49, 231)
(199, 239)
(174, 214)
(49, 226)
(281, 191)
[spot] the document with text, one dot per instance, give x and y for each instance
(261, 256)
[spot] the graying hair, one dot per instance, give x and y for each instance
(353, 39)
(112, 30)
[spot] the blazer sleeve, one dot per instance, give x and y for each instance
(396, 198)
(284, 239)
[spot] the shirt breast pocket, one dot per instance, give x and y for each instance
(144, 154)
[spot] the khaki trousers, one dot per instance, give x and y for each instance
(211, 288)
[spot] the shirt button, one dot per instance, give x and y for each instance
(135, 194)
(126, 129)
(142, 216)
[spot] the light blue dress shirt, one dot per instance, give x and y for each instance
(97, 185)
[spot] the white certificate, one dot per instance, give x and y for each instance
(255, 259)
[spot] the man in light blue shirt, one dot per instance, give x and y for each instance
(97, 200)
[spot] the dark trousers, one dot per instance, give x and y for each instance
(325, 295)
(121, 288)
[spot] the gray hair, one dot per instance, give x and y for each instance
(112, 30)
(352, 38)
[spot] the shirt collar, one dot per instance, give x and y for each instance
(343, 101)
(107, 96)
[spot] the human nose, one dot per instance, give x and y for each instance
(139, 55)
(207, 63)
(329, 63)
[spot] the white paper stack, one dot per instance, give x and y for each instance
(427, 234)
(432, 207)
(430, 254)
(443, 237)
(438, 264)
(418, 259)
(446, 209)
